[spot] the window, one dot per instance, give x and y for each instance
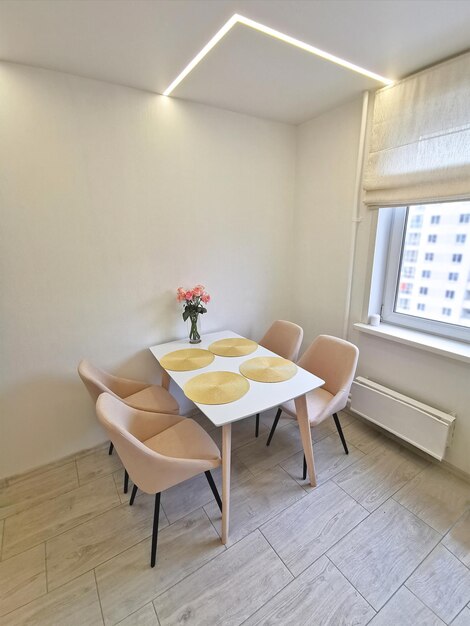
(460, 238)
(417, 221)
(464, 218)
(413, 239)
(401, 291)
(410, 255)
(467, 294)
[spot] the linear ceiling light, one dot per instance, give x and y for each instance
(240, 19)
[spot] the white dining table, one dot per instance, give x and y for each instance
(260, 397)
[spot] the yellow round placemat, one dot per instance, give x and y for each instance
(187, 359)
(236, 346)
(268, 369)
(216, 388)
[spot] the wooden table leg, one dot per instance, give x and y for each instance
(165, 380)
(226, 459)
(306, 435)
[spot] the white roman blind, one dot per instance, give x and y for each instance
(419, 144)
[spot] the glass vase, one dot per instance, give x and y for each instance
(194, 326)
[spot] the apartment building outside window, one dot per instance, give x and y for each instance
(443, 240)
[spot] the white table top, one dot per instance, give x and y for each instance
(260, 397)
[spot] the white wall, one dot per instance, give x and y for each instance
(111, 198)
(326, 167)
(327, 148)
(439, 381)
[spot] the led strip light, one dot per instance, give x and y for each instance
(240, 19)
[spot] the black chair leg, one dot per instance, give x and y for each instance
(273, 427)
(133, 494)
(340, 432)
(111, 448)
(304, 472)
(257, 425)
(156, 517)
(213, 487)
(126, 481)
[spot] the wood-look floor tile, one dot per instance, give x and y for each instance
(45, 520)
(307, 529)
(463, 618)
(256, 501)
(328, 426)
(86, 546)
(145, 616)
(362, 436)
(329, 457)
(437, 497)
(243, 432)
(404, 609)
(192, 494)
(119, 481)
(321, 596)
(96, 465)
(267, 418)
(380, 474)
(457, 539)
(228, 589)
(442, 582)
(74, 604)
(22, 579)
(2, 525)
(258, 457)
(127, 582)
(25, 493)
(382, 551)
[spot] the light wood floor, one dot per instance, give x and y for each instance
(383, 540)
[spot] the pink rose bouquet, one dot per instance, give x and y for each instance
(193, 301)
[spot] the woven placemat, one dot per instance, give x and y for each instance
(216, 388)
(268, 369)
(236, 346)
(187, 359)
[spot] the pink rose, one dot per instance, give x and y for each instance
(180, 294)
(205, 298)
(189, 295)
(197, 291)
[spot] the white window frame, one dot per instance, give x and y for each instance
(394, 228)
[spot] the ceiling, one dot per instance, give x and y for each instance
(146, 43)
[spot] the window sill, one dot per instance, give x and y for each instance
(431, 343)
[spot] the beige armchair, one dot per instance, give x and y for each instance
(135, 393)
(158, 450)
(282, 338)
(335, 361)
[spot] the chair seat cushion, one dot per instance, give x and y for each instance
(185, 440)
(153, 398)
(317, 406)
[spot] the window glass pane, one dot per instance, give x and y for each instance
(435, 236)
